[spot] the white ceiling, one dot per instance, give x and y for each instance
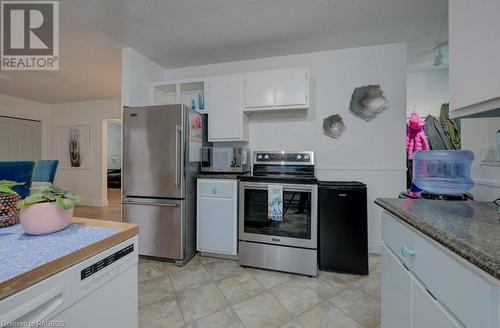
(177, 33)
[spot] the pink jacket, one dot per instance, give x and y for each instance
(415, 137)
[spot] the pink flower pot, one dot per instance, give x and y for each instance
(44, 218)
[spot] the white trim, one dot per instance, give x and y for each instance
(94, 202)
(476, 108)
(489, 163)
(365, 169)
(375, 247)
(487, 182)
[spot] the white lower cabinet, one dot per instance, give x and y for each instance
(217, 217)
(406, 302)
(424, 285)
(395, 292)
(427, 311)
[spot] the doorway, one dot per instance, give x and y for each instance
(114, 162)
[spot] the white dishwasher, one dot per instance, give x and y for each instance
(100, 291)
(217, 216)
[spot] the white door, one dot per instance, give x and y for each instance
(427, 312)
(395, 292)
(216, 225)
(20, 139)
(225, 121)
(259, 89)
(291, 87)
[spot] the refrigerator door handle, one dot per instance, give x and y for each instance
(178, 147)
(151, 204)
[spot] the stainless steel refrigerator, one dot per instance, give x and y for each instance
(159, 178)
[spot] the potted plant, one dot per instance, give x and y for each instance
(9, 213)
(48, 209)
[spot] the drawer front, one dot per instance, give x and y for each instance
(463, 291)
(427, 312)
(396, 236)
(217, 188)
(395, 295)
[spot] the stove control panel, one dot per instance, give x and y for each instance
(283, 157)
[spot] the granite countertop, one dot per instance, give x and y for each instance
(471, 229)
(220, 175)
(26, 259)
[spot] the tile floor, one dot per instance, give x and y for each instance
(209, 292)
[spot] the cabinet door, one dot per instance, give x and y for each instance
(217, 225)
(427, 312)
(259, 89)
(395, 292)
(474, 51)
(225, 120)
(291, 87)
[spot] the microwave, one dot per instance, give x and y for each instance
(224, 160)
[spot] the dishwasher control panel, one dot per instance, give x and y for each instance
(99, 265)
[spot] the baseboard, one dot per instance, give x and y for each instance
(94, 202)
(375, 247)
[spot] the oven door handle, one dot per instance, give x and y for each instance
(286, 186)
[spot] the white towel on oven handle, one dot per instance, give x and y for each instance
(275, 202)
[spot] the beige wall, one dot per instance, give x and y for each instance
(20, 108)
(90, 183)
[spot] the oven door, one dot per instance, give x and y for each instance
(299, 226)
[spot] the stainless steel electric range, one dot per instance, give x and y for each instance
(288, 245)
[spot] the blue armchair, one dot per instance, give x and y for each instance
(45, 171)
(19, 171)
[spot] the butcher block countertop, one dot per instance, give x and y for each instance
(26, 259)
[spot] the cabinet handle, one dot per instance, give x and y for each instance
(405, 251)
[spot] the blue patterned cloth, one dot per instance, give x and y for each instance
(20, 252)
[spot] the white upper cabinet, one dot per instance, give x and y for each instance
(259, 89)
(226, 121)
(277, 89)
(291, 87)
(474, 27)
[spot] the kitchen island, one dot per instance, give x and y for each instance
(440, 263)
(71, 275)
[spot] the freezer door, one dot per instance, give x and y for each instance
(161, 226)
(154, 143)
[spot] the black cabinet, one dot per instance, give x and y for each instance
(343, 228)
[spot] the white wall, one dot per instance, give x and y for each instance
(427, 91)
(478, 133)
(371, 152)
(90, 183)
(114, 145)
(137, 73)
(21, 108)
